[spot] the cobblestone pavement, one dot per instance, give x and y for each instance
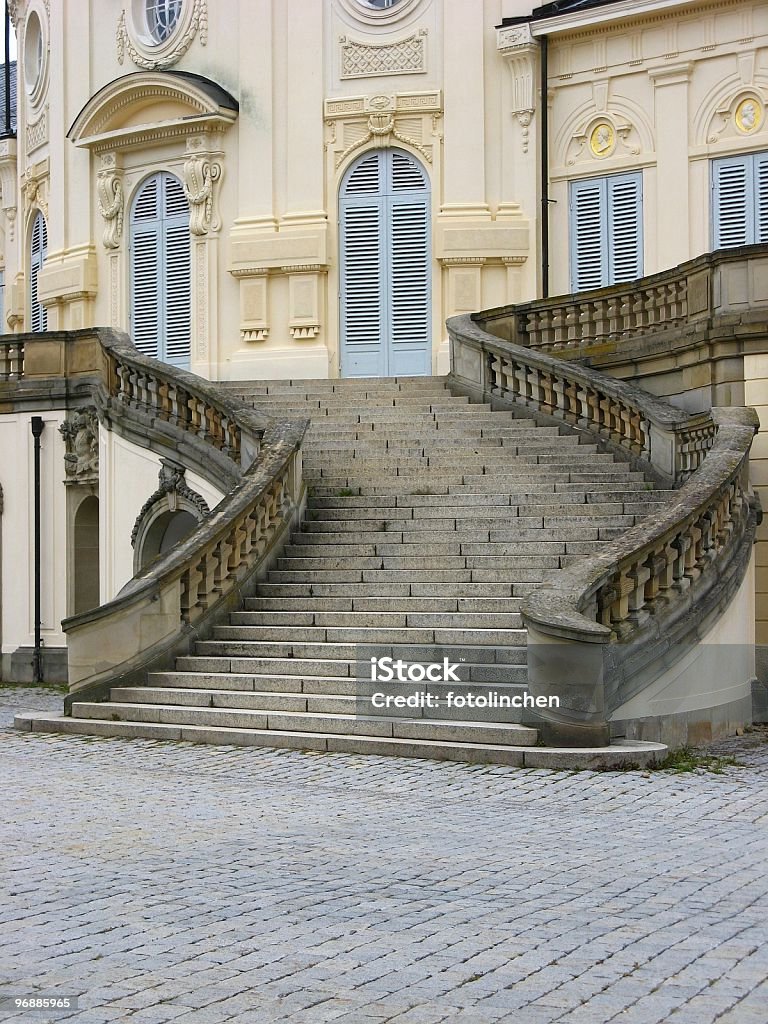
(169, 882)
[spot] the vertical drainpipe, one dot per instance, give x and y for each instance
(38, 426)
(544, 131)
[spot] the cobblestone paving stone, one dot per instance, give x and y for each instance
(165, 882)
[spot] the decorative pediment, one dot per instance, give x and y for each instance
(149, 105)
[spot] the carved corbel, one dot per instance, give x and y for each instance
(34, 188)
(199, 175)
(520, 49)
(111, 201)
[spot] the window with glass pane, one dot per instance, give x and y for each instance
(162, 18)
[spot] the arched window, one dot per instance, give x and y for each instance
(38, 314)
(384, 217)
(161, 275)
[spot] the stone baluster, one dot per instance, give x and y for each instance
(546, 330)
(528, 325)
(560, 336)
(572, 325)
(586, 323)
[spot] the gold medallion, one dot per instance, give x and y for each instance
(749, 115)
(602, 139)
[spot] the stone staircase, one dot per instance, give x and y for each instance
(428, 519)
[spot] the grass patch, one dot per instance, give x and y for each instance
(345, 492)
(42, 687)
(687, 759)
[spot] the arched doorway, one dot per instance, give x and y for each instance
(384, 240)
(86, 560)
(161, 271)
(164, 532)
(38, 314)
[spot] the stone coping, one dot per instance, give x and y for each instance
(655, 410)
(556, 607)
(682, 270)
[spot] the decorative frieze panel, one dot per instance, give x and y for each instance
(383, 119)
(37, 131)
(360, 59)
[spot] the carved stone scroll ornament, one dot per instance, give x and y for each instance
(199, 177)
(173, 486)
(111, 203)
(81, 439)
(382, 128)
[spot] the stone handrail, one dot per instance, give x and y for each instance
(178, 595)
(607, 598)
(690, 297)
(671, 440)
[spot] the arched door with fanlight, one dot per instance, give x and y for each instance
(38, 314)
(161, 273)
(384, 227)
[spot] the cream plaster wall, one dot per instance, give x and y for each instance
(265, 269)
(669, 83)
(717, 671)
(121, 462)
(17, 536)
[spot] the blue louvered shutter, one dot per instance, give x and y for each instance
(409, 277)
(384, 220)
(625, 227)
(761, 196)
(732, 211)
(38, 252)
(362, 272)
(177, 275)
(161, 279)
(606, 231)
(740, 200)
(588, 254)
(145, 268)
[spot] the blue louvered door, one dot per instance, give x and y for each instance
(38, 319)
(606, 228)
(384, 222)
(161, 275)
(739, 200)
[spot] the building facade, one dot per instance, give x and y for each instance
(311, 187)
(262, 189)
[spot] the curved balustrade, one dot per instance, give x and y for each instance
(673, 441)
(608, 598)
(253, 457)
(689, 298)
